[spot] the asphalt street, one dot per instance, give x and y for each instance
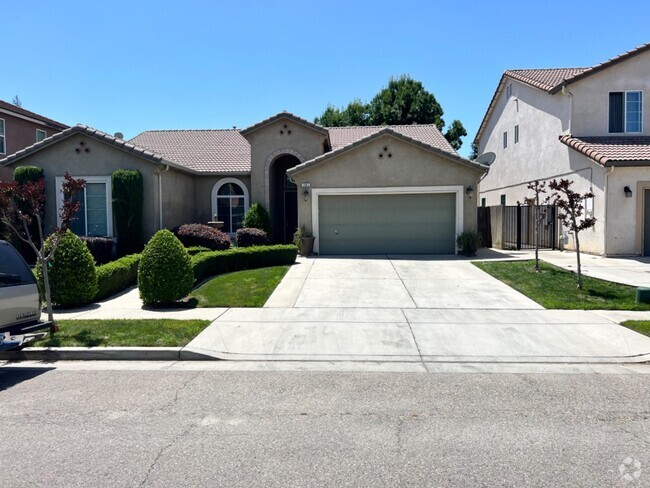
(96, 428)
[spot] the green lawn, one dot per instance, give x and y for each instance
(250, 288)
(640, 326)
(557, 288)
(128, 333)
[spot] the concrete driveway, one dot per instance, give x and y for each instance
(426, 310)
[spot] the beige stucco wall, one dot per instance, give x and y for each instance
(203, 209)
(267, 144)
(409, 165)
(591, 95)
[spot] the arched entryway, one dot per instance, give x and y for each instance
(283, 199)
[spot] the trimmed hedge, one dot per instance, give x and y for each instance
(202, 235)
(248, 237)
(100, 247)
(192, 250)
(116, 276)
(165, 270)
(23, 174)
(128, 201)
(72, 273)
(217, 262)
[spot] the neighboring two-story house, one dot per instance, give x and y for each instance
(20, 128)
(590, 125)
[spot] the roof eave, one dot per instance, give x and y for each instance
(305, 123)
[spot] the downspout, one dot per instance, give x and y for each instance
(570, 95)
(606, 207)
(160, 207)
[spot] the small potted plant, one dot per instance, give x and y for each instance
(304, 241)
(469, 242)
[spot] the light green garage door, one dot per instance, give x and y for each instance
(387, 224)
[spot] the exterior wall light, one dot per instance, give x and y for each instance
(469, 192)
(628, 192)
(305, 194)
(305, 190)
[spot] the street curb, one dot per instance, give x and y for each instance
(103, 353)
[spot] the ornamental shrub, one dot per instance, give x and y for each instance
(128, 201)
(202, 235)
(165, 270)
(23, 174)
(217, 262)
(257, 218)
(100, 247)
(72, 273)
(116, 276)
(248, 237)
(192, 250)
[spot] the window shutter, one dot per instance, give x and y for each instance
(616, 112)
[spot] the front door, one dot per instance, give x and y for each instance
(646, 222)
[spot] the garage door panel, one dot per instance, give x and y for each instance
(381, 224)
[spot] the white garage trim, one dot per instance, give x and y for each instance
(395, 190)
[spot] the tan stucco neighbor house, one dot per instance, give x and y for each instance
(359, 190)
(590, 125)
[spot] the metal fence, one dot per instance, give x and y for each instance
(519, 227)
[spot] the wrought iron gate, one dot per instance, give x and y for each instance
(519, 227)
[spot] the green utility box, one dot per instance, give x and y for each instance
(642, 295)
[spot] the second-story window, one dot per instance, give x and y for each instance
(625, 112)
(516, 134)
(505, 139)
(509, 90)
(40, 135)
(3, 145)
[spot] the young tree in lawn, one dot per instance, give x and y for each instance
(571, 210)
(22, 204)
(536, 202)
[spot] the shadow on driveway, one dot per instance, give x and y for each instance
(12, 376)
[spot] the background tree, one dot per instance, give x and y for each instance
(404, 101)
(474, 154)
(16, 101)
(536, 202)
(571, 209)
(21, 204)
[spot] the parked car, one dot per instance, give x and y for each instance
(20, 301)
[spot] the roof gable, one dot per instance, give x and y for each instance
(280, 116)
(19, 111)
(382, 132)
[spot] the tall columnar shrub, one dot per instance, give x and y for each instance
(257, 218)
(128, 201)
(72, 273)
(23, 174)
(165, 271)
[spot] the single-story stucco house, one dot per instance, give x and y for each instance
(360, 190)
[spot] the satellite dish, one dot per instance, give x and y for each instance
(486, 158)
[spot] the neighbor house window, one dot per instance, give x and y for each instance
(482, 202)
(503, 199)
(505, 140)
(626, 111)
(230, 203)
(516, 134)
(95, 214)
(3, 148)
(40, 135)
(509, 90)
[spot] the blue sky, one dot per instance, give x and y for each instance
(138, 65)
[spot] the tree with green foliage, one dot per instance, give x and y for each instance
(404, 101)
(474, 154)
(257, 218)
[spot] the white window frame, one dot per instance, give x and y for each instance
(397, 190)
(44, 134)
(625, 92)
(89, 179)
(215, 194)
(3, 135)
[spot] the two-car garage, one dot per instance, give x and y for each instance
(387, 223)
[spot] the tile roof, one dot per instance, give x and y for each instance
(283, 114)
(202, 151)
(425, 133)
(552, 80)
(26, 113)
(611, 150)
(95, 134)
(544, 79)
(371, 135)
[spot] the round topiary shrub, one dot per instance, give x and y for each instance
(249, 237)
(165, 271)
(71, 272)
(257, 218)
(203, 235)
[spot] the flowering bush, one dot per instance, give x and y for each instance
(202, 235)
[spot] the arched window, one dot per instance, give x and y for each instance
(230, 203)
